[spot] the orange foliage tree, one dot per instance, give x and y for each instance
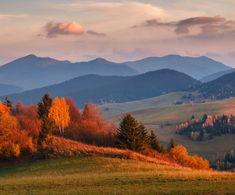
(28, 119)
(94, 129)
(59, 113)
(8, 129)
(72, 131)
(180, 155)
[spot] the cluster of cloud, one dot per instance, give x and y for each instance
(53, 29)
(204, 23)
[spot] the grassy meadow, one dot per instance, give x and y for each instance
(162, 115)
(102, 175)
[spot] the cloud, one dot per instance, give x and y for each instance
(155, 23)
(114, 16)
(53, 29)
(62, 28)
(91, 32)
(203, 24)
(12, 16)
(207, 24)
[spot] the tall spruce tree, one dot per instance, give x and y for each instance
(154, 143)
(131, 134)
(43, 110)
(44, 105)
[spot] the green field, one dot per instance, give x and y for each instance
(162, 115)
(99, 175)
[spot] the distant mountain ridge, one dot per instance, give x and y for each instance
(32, 72)
(196, 67)
(98, 89)
(216, 75)
(9, 89)
(221, 88)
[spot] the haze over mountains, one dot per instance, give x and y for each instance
(32, 72)
(102, 81)
(216, 75)
(8, 89)
(196, 67)
(98, 89)
(223, 87)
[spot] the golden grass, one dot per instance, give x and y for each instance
(58, 146)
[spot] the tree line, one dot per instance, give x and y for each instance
(24, 130)
(225, 163)
(207, 127)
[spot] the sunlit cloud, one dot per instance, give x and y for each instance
(54, 29)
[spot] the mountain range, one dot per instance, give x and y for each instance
(223, 87)
(32, 72)
(100, 89)
(196, 67)
(216, 75)
(9, 89)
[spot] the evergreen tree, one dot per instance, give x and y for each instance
(131, 134)
(171, 144)
(45, 129)
(154, 143)
(43, 110)
(44, 106)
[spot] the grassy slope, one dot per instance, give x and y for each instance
(102, 175)
(156, 113)
(114, 109)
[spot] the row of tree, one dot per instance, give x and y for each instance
(207, 127)
(225, 163)
(25, 130)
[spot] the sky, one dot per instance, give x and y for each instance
(80, 30)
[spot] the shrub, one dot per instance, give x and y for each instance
(180, 155)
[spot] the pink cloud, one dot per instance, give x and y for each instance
(62, 28)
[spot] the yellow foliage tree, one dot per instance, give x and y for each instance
(59, 113)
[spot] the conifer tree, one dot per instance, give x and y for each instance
(44, 105)
(43, 110)
(131, 134)
(154, 143)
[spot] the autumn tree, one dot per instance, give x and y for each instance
(59, 113)
(94, 128)
(43, 110)
(73, 130)
(180, 155)
(131, 134)
(28, 119)
(13, 140)
(8, 130)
